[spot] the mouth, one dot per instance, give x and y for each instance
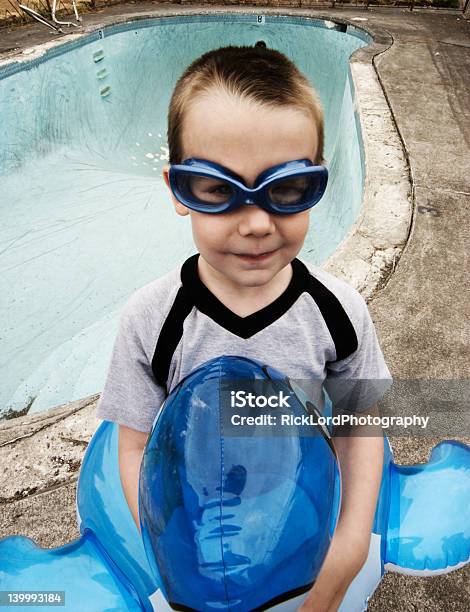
(255, 257)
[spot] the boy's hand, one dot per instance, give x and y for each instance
(346, 555)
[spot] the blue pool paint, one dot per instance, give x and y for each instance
(85, 216)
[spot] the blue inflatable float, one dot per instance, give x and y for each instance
(237, 519)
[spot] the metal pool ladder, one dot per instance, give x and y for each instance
(55, 23)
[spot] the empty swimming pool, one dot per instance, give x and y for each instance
(85, 216)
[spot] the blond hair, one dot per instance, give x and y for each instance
(256, 73)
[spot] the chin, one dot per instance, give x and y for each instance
(254, 278)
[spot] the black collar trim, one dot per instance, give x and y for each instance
(244, 327)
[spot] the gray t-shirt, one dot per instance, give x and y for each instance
(319, 329)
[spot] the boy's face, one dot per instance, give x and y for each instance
(247, 246)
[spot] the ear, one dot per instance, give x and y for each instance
(179, 208)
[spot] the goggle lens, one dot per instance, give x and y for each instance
(291, 191)
(205, 190)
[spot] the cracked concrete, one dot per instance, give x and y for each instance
(375, 242)
(46, 453)
(421, 311)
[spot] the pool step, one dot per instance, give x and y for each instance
(102, 73)
(98, 56)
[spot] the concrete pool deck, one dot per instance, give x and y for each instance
(423, 309)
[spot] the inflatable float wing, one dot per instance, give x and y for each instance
(422, 521)
(105, 569)
(429, 518)
(239, 522)
(77, 575)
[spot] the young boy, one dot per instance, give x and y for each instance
(237, 113)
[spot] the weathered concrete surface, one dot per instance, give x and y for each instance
(422, 314)
(40, 457)
(24, 427)
(49, 518)
(40, 454)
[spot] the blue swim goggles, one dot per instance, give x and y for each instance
(284, 189)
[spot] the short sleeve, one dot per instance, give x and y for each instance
(357, 382)
(131, 396)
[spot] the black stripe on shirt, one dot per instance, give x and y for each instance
(338, 323)
(170, 335)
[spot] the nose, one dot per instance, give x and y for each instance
(255, 221)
